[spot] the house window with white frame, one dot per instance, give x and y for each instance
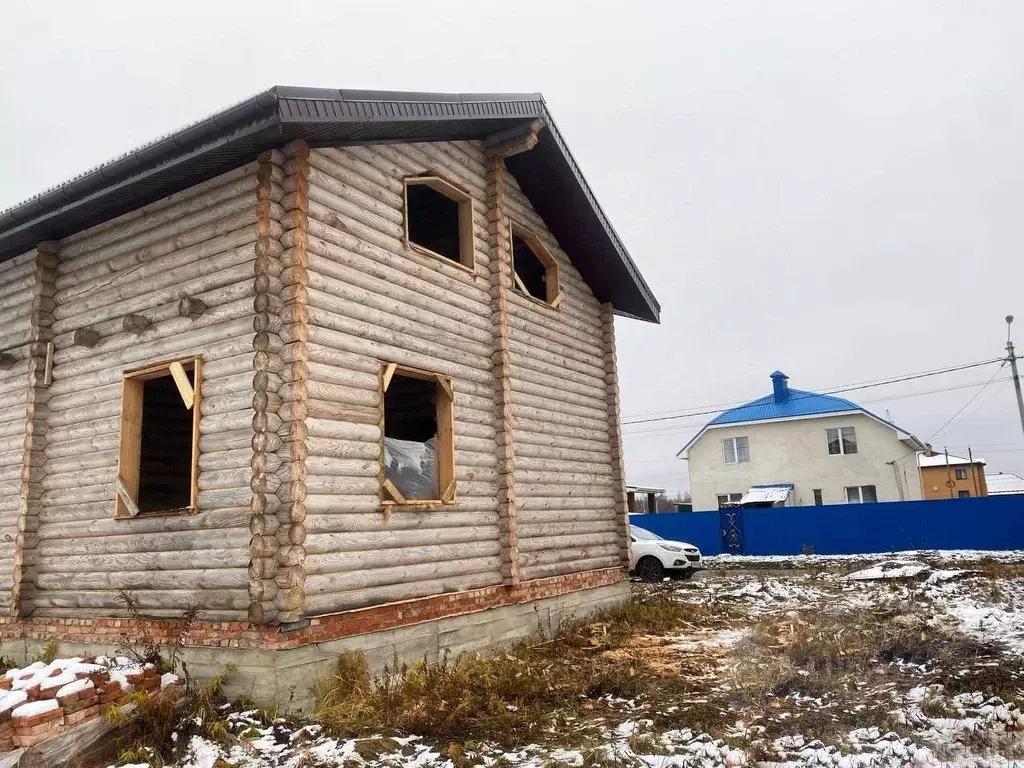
(961, 473)
(736, 450)
(861, 494)
(728, 498)
(842, 441)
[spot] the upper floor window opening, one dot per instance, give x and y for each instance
(841, 441)
(736, 449)
(439, 219)
(534, 269)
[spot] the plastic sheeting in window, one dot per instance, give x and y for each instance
(412, 467)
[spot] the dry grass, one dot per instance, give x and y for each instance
(851, 663)
(995, 569)
(854, 664)
(514, 697)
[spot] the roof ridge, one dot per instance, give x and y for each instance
(225, 139)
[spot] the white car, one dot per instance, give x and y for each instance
(653, 557)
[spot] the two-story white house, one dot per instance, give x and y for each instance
(798, 448)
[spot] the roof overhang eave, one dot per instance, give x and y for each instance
(910, 440)
(282, 113)
(59, 221)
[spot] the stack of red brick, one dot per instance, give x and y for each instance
(36, 721)
(40, 701)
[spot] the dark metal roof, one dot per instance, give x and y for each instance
(547, 174)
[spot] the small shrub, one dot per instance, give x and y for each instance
(49, 653)
(165, 657)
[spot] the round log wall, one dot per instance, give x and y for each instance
(17, 284)
(196, 246)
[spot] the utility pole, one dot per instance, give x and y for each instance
(974, 472)
(950, 482)
(1013, 369)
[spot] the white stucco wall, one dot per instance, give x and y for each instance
(796, 451)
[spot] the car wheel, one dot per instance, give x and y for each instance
(650, 569)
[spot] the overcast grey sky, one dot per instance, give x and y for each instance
(830, 188)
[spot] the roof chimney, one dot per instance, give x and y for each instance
(780, 388)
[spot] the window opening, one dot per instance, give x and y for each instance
(724, 499)
(418, 437)
(861, 494)
(737, 450)
(159, 447)
(841, 441)
(439, 219)
(534, 270)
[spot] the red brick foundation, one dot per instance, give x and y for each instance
(238, 634)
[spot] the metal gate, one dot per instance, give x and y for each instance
(732, 530)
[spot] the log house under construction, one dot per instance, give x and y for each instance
(337, 367)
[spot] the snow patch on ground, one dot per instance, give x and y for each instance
(890, 569)
(941, 590)
(809, 561)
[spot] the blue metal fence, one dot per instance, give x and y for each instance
(994, 522)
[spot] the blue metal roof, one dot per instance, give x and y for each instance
(799, 403)
(786, 403)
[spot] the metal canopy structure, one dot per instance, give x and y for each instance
(547, 173)
(767, 494)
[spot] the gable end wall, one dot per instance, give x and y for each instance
(569, 490)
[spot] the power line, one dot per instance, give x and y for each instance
(913, 376)
(952, 418)
(991, 396)
(964, 407)
(677, 428)
(850, 388)
(888, 398)
(1013, 444)
(717, 407)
